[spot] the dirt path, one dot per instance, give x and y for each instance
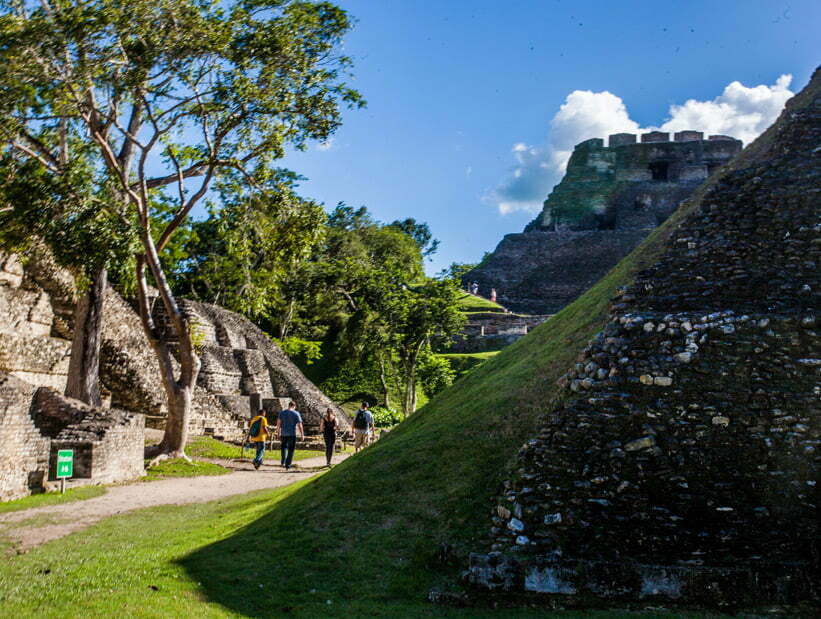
(59, 520)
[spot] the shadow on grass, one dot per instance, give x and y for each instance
(365, 538)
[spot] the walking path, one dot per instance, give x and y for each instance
(74, 516)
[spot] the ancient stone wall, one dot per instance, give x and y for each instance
(685, 465)
(241, 364)
(36, 422)
(606, 204)
(23, 450)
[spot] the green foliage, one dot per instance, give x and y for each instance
(420, 233)
(385, 417)
(308, 351)
(435, 373)
(197, 335)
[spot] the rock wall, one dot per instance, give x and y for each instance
(241, 366)
(685, 464)
(606, 204)
(487, 331)
(36, 422)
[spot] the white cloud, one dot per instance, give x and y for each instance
(738, 111)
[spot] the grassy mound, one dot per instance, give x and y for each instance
(364, 536)
(470, 303)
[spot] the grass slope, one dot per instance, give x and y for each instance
(470, 304)
(363, 535)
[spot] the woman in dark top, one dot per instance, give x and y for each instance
(328, 427)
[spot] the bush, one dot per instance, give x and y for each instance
(385, 417)
(435, 374)
(295, 347)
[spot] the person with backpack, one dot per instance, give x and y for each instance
(362, 427)
(328, 426)
(258, 434)
(289, 424)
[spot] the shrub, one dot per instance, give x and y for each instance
(385, 417)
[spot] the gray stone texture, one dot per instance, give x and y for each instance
(608, 201)
(690, 470)
(35, 422)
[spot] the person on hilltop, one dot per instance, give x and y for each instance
(493, 295)
(289, 425)
(258, 434)
(362, 427)
(328, 426)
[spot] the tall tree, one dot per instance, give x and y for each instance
(420, 317)
(170, 94)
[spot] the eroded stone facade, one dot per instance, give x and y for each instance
(685, 465)
(609, 200)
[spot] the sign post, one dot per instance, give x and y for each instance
(65, 466)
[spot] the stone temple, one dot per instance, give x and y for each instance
(608, 201)
(685, 462)
(242, 370)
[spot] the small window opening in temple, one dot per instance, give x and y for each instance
(659, 170)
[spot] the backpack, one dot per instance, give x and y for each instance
(360, 422)
(255, 428)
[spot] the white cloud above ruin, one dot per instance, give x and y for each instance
(739, 111)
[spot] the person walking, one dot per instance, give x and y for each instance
(362, 427)
(289, 425)
(493, 295)
(258, 434)
(328, 426)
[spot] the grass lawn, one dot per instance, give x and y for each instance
(470, 303)
(52, 498)
(157, 563)
(364, 535)
(208, 447)
(178, 467)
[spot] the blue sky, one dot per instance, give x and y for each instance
(461, 95)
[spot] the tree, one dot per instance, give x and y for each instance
(245, 254)
(419, 232)
(419, 317)
(169, 95)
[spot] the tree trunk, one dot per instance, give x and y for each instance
(386, 397)
(84, 366)
(179, 391)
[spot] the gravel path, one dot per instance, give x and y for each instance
(77, 515)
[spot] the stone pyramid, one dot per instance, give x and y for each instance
(685, 464)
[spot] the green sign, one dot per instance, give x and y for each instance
(65, 463)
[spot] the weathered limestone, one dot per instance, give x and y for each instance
(686, 465)
(607, 203)
(35, 422)
(240, 362)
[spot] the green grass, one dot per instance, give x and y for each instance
(52, 498)
(178, 467)
(470, 303)
(209, 447)
(364, 535)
